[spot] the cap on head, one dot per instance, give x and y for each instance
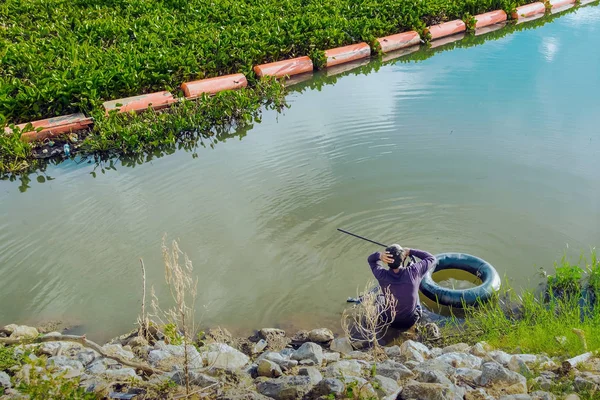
(396, 251)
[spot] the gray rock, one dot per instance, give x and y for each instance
(62, 363)
(320, 335)
(309, 351)
(269, 369)
(271, 333)
(222, 356)
(436, 352)
(543, 382)
(584, 384)
(86, 357)
(287, 353)
(467, 374)
(327, 387)
(137, 341)
(331, 357)
(385, 386)
(360, 355)
(461, 360)
(393, 370)
(49, 348)
(285, 388)
(495, 374)
(529, 359)
(23, 331)
(516, 397)
(539, 395)
(117, 350)
(278, 359)
(435, 365)
(196, 378)
(456, 348)
(414, 351)
(313, 373)
(572, 396)
(393, 351)
(478, 394)
(433, 376)
(156, 356)
(307, 363)
(96, 368)
(517, 364)
(93, 384)
(412, 364)
(259, 346)
(121, 373)
(431, 391)
(344, 368)
(341, 345)
(480, 349)
(5, 380)
(499, 356)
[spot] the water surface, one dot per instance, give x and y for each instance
(491, 150)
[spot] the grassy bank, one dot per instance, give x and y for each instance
(564, 320)
(62, 56)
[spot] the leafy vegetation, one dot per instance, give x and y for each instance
(8, 358)
(563, 321)
(62, 56)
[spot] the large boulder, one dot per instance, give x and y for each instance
(222, 356)
(467, 375)
(431, 391)
(499, 356)
(269, 369)
(393, 370)
(414, 351)
(501, 380)
(285, 388)
(344, 368)
(433, 376)
(22, 332)
(461, 360)
(341, 345)
(320, 335)
(309, 351)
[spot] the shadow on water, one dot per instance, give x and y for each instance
(191, 142)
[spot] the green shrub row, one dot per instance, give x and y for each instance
(63, 56)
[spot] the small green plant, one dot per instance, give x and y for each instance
(43, 385)
(470, 22)
(567, 279)
(8, 359)
(171, 334)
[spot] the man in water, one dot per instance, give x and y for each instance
(402, 280)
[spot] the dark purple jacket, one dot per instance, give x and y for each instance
(405, 284)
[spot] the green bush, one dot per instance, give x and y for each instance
(62, 56)
(8, 358)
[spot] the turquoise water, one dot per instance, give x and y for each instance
(491, 150)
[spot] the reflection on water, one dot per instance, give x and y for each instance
(490, 150)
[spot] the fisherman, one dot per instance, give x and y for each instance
(402, 280)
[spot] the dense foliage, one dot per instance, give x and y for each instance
(62, 56)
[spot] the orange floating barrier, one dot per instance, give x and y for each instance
(490, 18)
(529, 10)
(399, 41)
(195, 89)
(447, 29)
(54, 126)
(346, 54)
(140, 103)
(561, 3)
(280, 69)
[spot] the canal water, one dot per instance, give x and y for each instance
(492, 149)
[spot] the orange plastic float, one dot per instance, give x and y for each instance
(195, 89)
(447, 29)
(561, 3)
(341, 55)
(54, 126)
(529, 10)
(399, 41)
(280, 69)
(490, 18)
(140, 103)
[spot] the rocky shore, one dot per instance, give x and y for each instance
(273, 365)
